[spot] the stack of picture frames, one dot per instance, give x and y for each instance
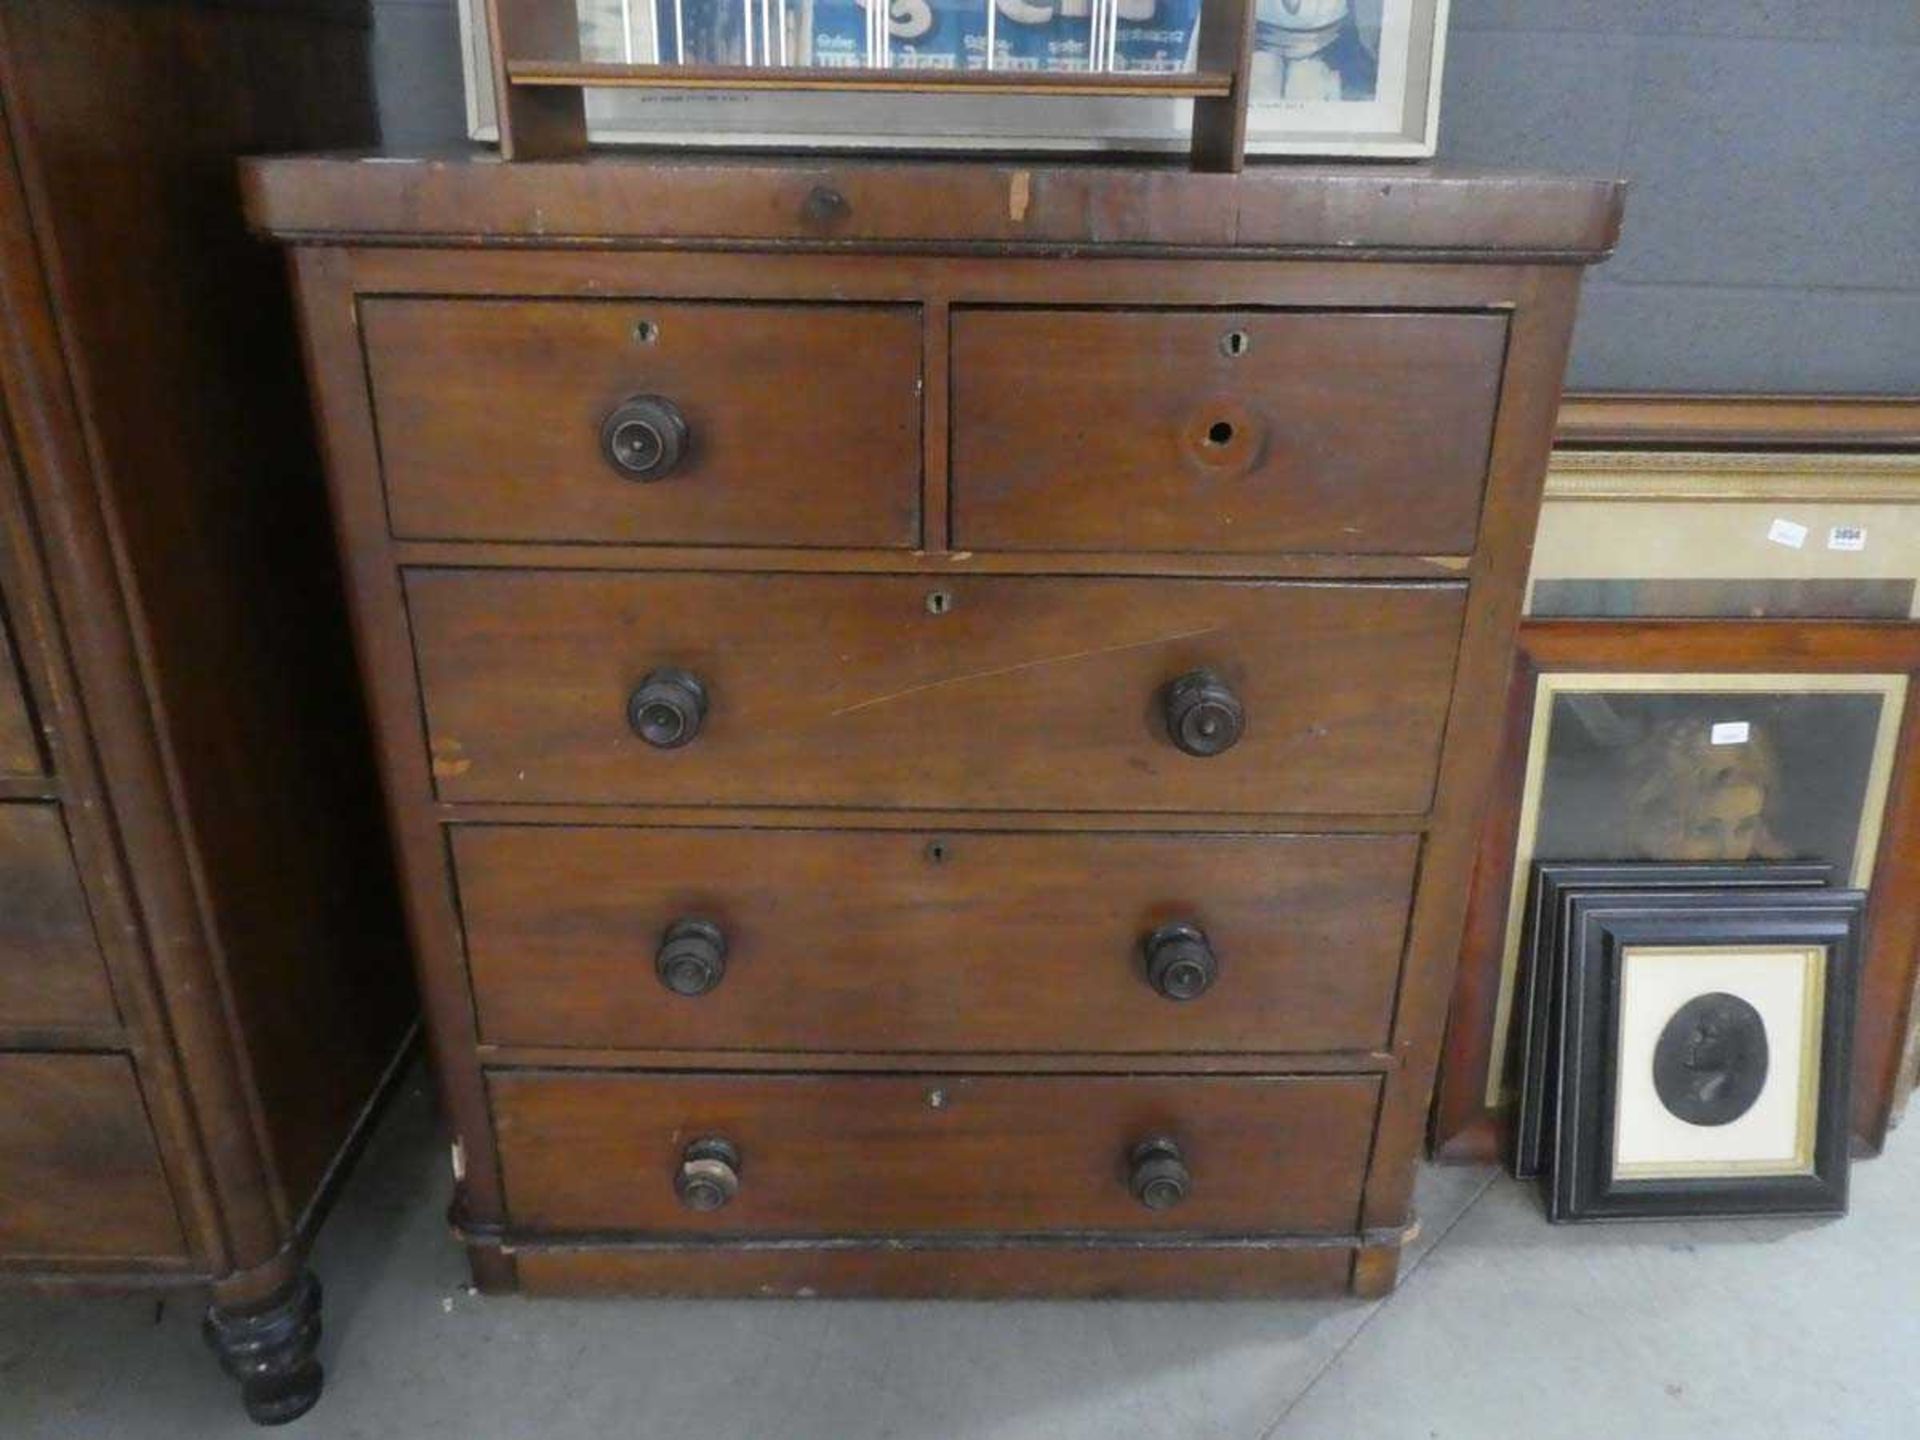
(1706, 830)
(1685, 1035)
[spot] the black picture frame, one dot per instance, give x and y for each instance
(1543, 961)
(1601, 929)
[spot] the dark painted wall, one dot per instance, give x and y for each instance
(1773, 237)
(1773, 234)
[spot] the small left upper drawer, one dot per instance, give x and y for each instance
(628, 422)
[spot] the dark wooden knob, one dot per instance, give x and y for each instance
(692, 958)
(709, 1174)
(668, 708)
(1157, 1176)
(1204, 716)
(825, 206)
(1181, 964)
(644, 438)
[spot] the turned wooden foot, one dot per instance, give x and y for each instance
(269, 1348)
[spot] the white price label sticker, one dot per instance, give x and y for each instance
(1847, 537)
(1731, 732)
(1790, 533)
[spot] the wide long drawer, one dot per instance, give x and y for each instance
(895, 941)
(1240, 431)
(845, 1154)
(979, 692)
(631, 421)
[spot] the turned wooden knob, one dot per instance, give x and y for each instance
(825, 206)
(1181, 964)
(692, 958)
(709, 1174)
(645, 437)
(1204, 716)
(668, 708)
(1157, 1176)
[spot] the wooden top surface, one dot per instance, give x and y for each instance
(638, 198)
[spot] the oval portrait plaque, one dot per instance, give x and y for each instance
(1710, 1063)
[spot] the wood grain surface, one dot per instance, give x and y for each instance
(19, 741)
(878, 941)
(1025, 694)
(51, 969)
(79, 1171)
(1222, 430)
(804, 420)
(823, 1154)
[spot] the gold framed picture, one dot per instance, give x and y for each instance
(1637, 534)
(1723, 767)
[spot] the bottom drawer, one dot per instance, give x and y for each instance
(863, 1154)
(79, 1172)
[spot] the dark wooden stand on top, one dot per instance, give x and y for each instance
(935, 715)
(202, 970)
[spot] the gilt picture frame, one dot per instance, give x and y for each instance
(1473, 1114)
(1644, 534)
(1684, 766)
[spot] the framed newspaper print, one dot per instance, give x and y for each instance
(1695, 741)
(1330, 77)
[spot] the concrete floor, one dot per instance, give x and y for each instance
(1502, 1327)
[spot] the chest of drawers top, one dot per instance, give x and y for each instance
(933, 712)
(1357, 211)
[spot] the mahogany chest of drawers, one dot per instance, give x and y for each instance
(934, 715)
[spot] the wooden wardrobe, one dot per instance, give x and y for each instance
(203, 981)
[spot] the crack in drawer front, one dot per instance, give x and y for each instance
(825, 1154)
(1235, 431)
(994, 693)
(636, 422)
(891, 941)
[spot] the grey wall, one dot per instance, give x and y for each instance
(1773, 234)
(416, 73)
(1773, 231)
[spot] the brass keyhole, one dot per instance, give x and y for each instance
(646, 332)
(1235, 343)
(939, 602)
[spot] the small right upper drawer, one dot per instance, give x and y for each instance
(1236, 431)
